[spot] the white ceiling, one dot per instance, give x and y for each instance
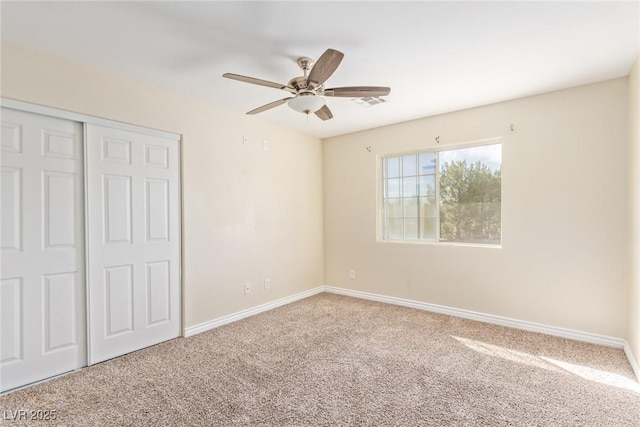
(436, 56)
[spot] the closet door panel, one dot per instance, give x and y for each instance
(42, 287)
(134, 240)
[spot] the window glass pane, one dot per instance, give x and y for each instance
(428, 207)
(394, 229)
(410, 207)
(393, 167)
(427, 163)
(409, 187)
(488, 155)
(393, 187)
(410, 229)
(470, 194)
(393, 208)
(428, 185)
(409, 164)
(469, 187)
(428, 228)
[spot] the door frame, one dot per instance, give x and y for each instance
(85, 119)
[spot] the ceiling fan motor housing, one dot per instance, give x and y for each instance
(298, 83)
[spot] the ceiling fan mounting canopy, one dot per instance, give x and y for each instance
(305, 63)
(308, 90)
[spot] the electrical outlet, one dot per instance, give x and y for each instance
(265, 144)
(245, 139)
(352, 274)
(247, 288)
(267, 284)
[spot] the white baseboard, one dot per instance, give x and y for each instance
(632, 360)
(211, 324)
(487, 318)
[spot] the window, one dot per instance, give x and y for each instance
(449, 195)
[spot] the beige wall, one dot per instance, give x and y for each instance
(248, 214)
(633, 298)
(563, 260)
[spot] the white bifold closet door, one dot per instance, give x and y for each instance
(42, 283)
(133, 241)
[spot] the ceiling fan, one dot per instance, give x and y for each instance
(308, 90)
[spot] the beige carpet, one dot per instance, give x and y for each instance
(334, 360)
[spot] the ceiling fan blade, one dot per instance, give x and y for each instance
(254, 81)
(324, 67)
(270, 105)
(324, 113)
(357, 91)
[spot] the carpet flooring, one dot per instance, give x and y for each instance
(332, 360)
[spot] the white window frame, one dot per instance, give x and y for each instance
(380, 222)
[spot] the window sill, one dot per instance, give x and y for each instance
(434, 243)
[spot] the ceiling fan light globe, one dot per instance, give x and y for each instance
(307, 104)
